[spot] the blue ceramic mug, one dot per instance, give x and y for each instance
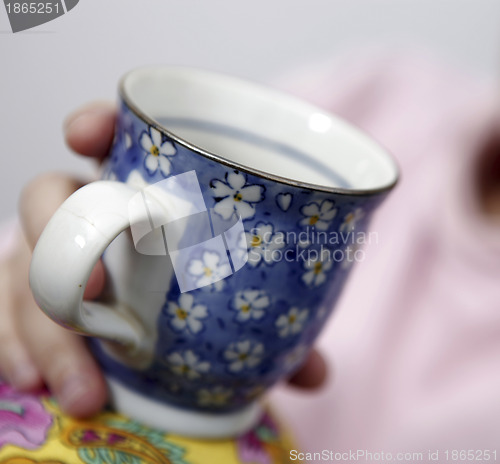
(228, 218)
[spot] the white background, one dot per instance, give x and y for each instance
(48, 71)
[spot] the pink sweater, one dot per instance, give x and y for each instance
(414, 344)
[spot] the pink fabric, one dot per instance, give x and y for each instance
(415, 341)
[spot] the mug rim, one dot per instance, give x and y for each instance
(296, 101)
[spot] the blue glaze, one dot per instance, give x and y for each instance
(255, 327)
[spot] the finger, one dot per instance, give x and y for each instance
(312, 374)
(65, 363)
(89, 130)
(38, 202)
(16, 366)
(40, 199)
(95, 284)
(60, 357)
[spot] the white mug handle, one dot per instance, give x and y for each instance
(67, 251)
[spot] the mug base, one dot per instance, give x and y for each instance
(180, 421)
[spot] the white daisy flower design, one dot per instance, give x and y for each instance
(241, 251)
(136, 180)
(250, 304)
(109, 175)
(255, 392)
(216, 396)
(262, 244)
(318, 216)
(187, 364)
(185, 315)
(351, 256)
(235, 196)
(292, 322)
(209, 270)
(323, 312)
(316, 268)
(296, 356)
(351, 221)
(128, 140)
(244, 354)
(157, 151)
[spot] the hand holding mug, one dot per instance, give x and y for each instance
(230, 196)
(28, 338)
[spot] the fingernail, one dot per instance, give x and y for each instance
(73, 121)
(24, 377)
(81, 115)
(73, 391)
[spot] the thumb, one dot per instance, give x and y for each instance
(38, 202)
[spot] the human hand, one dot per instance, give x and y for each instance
(34, 350)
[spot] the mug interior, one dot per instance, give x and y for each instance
(259, 130)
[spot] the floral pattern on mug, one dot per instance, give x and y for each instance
(296, 357)
(250, 305)
(291, 323)
(216, 396)
(188, 364)
(350, 256)
(243, 355)
(351, 220)
(209, 269)
(318, 215)
(257, 258)
(185, 315)
(158, 152)
(263, 243)
(234, 196)
(317, 266)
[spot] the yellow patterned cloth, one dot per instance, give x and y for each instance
(33, 430)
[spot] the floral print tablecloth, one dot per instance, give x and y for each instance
(33, 430)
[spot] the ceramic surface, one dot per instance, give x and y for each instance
(265, 260)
